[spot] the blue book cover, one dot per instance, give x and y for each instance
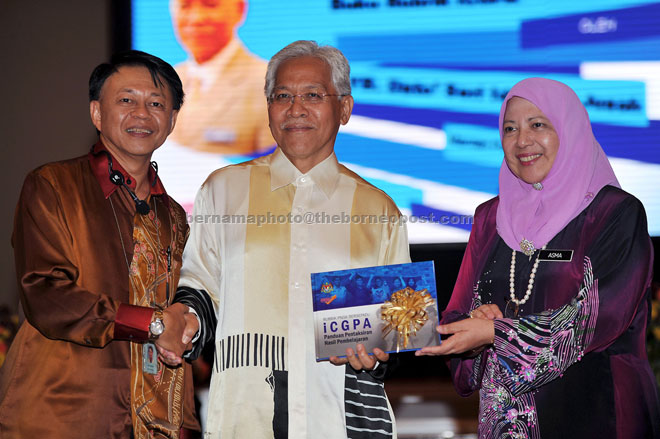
(391, 307)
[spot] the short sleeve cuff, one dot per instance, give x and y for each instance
(132, 323)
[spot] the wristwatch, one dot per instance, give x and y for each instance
(156, 327)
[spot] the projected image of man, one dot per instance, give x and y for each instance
(225, 109)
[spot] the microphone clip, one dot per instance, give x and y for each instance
(116, 178)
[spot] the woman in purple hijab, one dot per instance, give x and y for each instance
(548, 316)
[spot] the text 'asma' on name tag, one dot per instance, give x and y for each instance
(556, 255)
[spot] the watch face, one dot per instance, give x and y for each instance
(156, 327)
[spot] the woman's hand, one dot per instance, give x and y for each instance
(469, 335)
(488, 311)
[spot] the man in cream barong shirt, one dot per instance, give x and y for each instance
(266, 382)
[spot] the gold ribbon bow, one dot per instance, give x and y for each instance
(406, 313)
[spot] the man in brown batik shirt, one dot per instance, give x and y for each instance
(98, 246)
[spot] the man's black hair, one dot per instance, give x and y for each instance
(159, 70)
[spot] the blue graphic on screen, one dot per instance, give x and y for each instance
(428, 80)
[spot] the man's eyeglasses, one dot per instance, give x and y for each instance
(307, 98)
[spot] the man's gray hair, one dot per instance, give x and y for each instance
(339, 68)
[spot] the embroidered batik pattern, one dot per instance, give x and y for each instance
(156, 399)
(476, 297)
(478, 360)
(528, 353)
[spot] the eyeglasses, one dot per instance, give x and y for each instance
(307, 98)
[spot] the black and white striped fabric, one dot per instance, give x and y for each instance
(365, 403)
(201, 302)
(251, 349)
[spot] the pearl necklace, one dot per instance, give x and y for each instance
(512, 280)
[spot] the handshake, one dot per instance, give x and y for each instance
(180, 327)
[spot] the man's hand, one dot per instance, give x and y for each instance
(468, 335)
(180, 327)
(362, 360)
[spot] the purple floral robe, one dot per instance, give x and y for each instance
(573, 362)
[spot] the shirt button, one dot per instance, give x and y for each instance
(296, 285)
(303, 179)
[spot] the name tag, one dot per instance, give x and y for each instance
(556, 255)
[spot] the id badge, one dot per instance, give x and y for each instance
(149, 358)
(556, 255)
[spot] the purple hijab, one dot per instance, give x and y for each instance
(579, 171)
